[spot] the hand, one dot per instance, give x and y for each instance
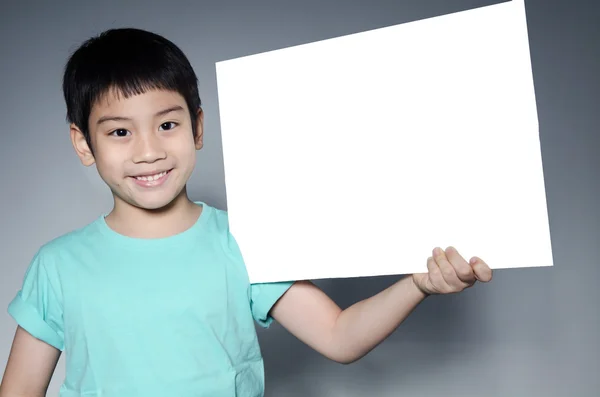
(448, 273)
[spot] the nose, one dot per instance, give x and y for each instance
(148, 149)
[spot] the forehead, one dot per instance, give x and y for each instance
(146, 104)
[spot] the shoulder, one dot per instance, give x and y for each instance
(217, 225)
(75, 236)
(71, 241)
(216, 219)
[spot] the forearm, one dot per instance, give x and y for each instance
(364, 325)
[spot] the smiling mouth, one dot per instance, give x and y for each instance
(151, 177)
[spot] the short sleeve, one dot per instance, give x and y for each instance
(263, 297)
(36, 306)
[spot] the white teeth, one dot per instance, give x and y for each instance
(151, 177)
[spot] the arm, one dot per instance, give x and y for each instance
(30, 366)
(346, 336)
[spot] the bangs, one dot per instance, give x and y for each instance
(125, 62)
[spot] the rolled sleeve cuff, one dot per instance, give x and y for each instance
(31, 321)
(265, 297)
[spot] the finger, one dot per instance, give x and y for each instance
(462, 268)
(438, 284)
(448, 271)
(481, 269)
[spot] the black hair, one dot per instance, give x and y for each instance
(129, 61)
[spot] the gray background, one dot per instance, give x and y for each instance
(532, 332)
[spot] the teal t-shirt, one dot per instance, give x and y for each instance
(149, 317)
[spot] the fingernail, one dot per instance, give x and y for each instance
(473, 261)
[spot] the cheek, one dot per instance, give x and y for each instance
(185, 151)
(187, 160)
(109, 168)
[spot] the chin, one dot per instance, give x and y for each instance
(153, 204)
(150, 202)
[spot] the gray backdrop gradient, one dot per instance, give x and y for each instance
(531, 332)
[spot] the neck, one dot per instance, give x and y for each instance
(176, 217)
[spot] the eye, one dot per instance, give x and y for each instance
(119, 132)
(169, 125)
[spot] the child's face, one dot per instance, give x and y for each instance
(148, 135)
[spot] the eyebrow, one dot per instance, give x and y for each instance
(103, 119)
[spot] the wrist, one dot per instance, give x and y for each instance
(420, 291)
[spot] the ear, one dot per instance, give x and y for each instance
(81, 147)
(199, 130)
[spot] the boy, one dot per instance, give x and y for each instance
(153, 299)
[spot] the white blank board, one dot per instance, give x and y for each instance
(356, 156)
